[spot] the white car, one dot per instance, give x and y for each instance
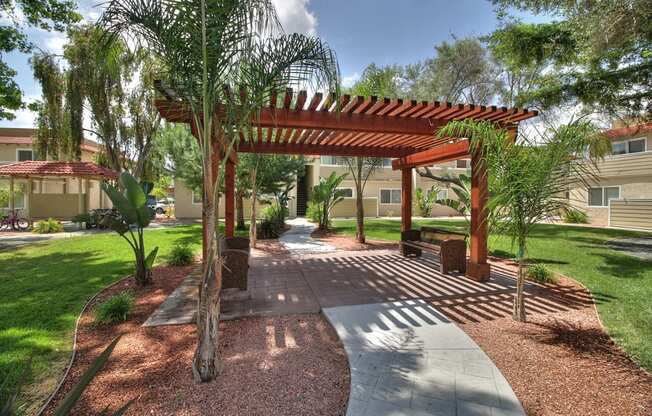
(163, 205)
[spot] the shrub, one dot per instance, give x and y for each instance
(313, 211)
(275, 214)
(181, 255)
(48, 226)
(267, 230)
(539, 273)
(575, 216)
(117, 308)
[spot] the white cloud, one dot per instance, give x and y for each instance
(348, 81)
(295, 16)
(54, 42)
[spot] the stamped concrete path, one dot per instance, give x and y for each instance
(396, 319)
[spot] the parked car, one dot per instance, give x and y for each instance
(163, 205)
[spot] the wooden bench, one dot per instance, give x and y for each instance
(450, 245)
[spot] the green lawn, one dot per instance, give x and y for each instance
(44, 286)
(621, 284)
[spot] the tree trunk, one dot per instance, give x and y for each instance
(143, 276)
(252, 225)
(239, 208)
(359, 214)
(519, 299)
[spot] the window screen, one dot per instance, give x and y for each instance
(390, 196)
(462, 163)
(612, 192)
(595, 197)
(348, 192)
(636, 146)
(24, 155)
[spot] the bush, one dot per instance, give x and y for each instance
(275, 214)
(117, 308)
(181, 255)
(267, 230)
(575, 216)
(313, 211)
(48, 226)
(540, 274)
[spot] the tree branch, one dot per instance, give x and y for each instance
(427, 173)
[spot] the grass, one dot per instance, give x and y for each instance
(621, 284)
(44, 287)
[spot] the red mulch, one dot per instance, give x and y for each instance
(350, 244)
(289, 365)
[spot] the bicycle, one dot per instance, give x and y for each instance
(15, 222)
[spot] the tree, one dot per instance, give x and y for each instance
(361, 168)
(42, 14)
(179, 148)
(325, 196)
(530, 177)
(460, 71)
(598, 54)
(425, 200)
(209, 50)
(132, 214)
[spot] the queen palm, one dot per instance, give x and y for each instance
(223, 59)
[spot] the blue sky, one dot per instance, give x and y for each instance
(360, 31)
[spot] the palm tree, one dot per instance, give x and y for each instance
(231, 53)
(529, 177)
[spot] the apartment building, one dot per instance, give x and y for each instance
(45, 197)
(621, 195)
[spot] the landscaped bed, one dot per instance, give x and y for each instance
(292, 365)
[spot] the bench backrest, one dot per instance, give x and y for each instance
(437, 235)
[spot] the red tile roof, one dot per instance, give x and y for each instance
(628, 130)
(56, 168)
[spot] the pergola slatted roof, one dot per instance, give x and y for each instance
(350, 126)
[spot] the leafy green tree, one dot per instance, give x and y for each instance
(208, 50)
(529, 178)
(19, 15)
(132, 214)
(598, 54)
(180, 149)
(425, 200)
(325, 196)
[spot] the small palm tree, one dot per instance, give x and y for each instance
(529, 177)
(326, 196)
(228, 52)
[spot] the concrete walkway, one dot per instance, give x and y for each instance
(407, 358)
(297, 239)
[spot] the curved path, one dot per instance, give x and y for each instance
(407, 358)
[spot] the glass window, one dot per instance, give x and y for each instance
(196, 198)
(24, 155)
(462, 163)
(636, 146)
(612, 192)
(20, 190)
(442, 194)
(390, 196)
(348, 192)
(619, 148)
(595, 197)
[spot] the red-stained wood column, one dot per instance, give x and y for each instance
(406, 199)
(229, 196)
(477, 267)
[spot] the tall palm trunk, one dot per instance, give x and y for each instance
(252, 221)
(359, 205)
(239, 208)
(518, 313)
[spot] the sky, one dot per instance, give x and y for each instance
(360, 31)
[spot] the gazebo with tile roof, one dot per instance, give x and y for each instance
(367, 126)
(37, 169)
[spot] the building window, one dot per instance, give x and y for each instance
(629, 146)
(24, 154)
(442, 194)
(196, 198)
(19, 195)
(462, 163)
(347, 192)
(600, 197)
(390, 196)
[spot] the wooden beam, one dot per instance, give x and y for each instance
(229, 198)
(319, 149)
(406, 199)
(443, 153)
(477, 267)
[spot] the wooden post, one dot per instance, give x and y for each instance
(28, 199)
(12, 197)
(80, 200)
(229, 198)
(477, 267)
(406, 199)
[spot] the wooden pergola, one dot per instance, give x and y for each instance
(368, 126)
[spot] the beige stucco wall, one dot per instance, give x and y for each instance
(631, 213)
(185, 209)
(61, 206)
(346, 208)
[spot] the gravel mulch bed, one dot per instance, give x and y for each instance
(349, 244)
(565, 364)
(288, 365)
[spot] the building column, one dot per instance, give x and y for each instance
(477, 267)
(229, 198)
(28, 199)
(80, 197)
(406, 199)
